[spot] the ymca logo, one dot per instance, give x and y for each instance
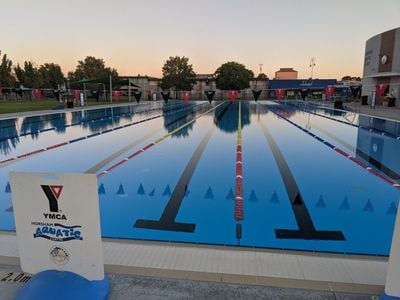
(52, 193)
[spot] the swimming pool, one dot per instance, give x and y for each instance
(294, 176)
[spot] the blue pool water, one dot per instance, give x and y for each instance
(300, 191)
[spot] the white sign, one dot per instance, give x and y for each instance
(57, 223)
(392, 286)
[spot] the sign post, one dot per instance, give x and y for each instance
(58, 233)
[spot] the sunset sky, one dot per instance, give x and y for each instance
(137, 36)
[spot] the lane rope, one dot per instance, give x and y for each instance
(25, 155)
(159, 140)
(173, 106)
(238, 213)
(341, 152)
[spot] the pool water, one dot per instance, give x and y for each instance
(294, 176)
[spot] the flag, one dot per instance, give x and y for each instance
(37, 93)
(329, 91)
(210, 95)
(381, 88)
(77, 94)
(165, 96)
(116, 95)
(233, 94)
(186, 96)
(256, 94)
(280, 93)
(355, 91)
(1, 91)
(137, 95)
(304, 93)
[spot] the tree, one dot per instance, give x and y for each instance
(50, 75)
(178, 74)
(350, 78)
(262, 76)
(28, 76)
(6, 77)
(233, 76)
(92, 68)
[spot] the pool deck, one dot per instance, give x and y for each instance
(392, 113)
(233, 265)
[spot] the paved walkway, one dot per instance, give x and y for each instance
(217, 268)
(392, 113)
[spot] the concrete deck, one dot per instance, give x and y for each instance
(179, 265)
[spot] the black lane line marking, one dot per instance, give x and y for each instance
(113, 156)
(167, 220)
(304, 222)
(381, 167)
(340, 151)
(374, 130)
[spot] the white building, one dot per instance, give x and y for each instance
(382, 65)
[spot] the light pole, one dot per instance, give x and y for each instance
(312, 65)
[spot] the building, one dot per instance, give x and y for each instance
(150, 86)
(382, 67)
(286, 73)
(314, 87)
(204, 82)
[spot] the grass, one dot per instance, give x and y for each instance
(14, 106)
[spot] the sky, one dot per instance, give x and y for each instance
(138, 36)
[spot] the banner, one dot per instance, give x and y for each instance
(381, 89)
(137, 95)
(57, 223)
(304, 93)
(186, 96)
(37, 93)
(165, 96)
(210, 95)
(233, 95)
(280, 93)
(329, 91)
(116, 95)
(77, 94)
(355, 91)
(256, 94)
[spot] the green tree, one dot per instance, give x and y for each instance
(178, 74)
(262, 76)
(233, 76)
(92, 68)
(6, 77)
(50, 75)
(346, 78)
(27, 76)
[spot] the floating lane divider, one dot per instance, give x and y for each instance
(25, 155)
(170, 107)
(383, 133)
(147, 147)
(239, 174)
(341, 152)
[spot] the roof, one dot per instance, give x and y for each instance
(286, 70)
(301, 83)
